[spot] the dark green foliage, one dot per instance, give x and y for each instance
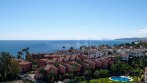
(9, 68)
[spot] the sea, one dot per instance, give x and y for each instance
(49, 46)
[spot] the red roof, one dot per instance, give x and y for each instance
(62, 66)
(55, 59)
(48, 67)
(24, 62)
(45, 60)
(73, 57)
(67, 58)
(124, 54)
(60, 59)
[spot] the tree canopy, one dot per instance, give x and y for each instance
(9, 68)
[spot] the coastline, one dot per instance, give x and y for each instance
(49, 46)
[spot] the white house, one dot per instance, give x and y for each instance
(95, 54)
(137, 52)
(124, 56)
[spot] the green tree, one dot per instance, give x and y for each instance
(125, 68)
(77, 78)
(9, 68)
(19, 54)
(71, 49)
(27, 53)
(49, 78)
(104, 74)
(87, 73)
(14, 69)
(97, 74)
(63, 47)
(26, 50)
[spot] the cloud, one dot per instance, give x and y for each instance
(75, 35)
(142, 31)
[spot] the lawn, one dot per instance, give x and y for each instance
(107, 80)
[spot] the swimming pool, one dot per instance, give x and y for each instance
(121, 78)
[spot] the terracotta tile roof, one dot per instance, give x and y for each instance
(85, 65)
(77, 63)
(124, 54)
(43, 60)
(49, 61)
(62, 65)
(18, 60)
(67, 58)
(68, 65)
(83, 56)
(60, 59)
(52, 56)
(24, 62)
(98, 61)
(73, 57)
(90, 62)
(101, 59)
(55, 59)
(48, 66)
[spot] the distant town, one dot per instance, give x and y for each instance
(93, 64)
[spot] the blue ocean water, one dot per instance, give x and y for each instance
(48, 46)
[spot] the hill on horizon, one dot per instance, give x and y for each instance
(134, 38)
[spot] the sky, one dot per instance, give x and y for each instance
(72, 19)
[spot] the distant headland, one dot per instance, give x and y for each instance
(133, 38)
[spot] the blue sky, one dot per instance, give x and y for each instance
(72, 19)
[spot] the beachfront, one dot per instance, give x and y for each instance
(87, 59)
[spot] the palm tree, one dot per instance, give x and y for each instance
(63, 47)
(26, 51)
(71, 49)
(19, 54)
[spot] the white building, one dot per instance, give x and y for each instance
(123, 51)
(137, 52)
(97, 54)
(125, 56)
